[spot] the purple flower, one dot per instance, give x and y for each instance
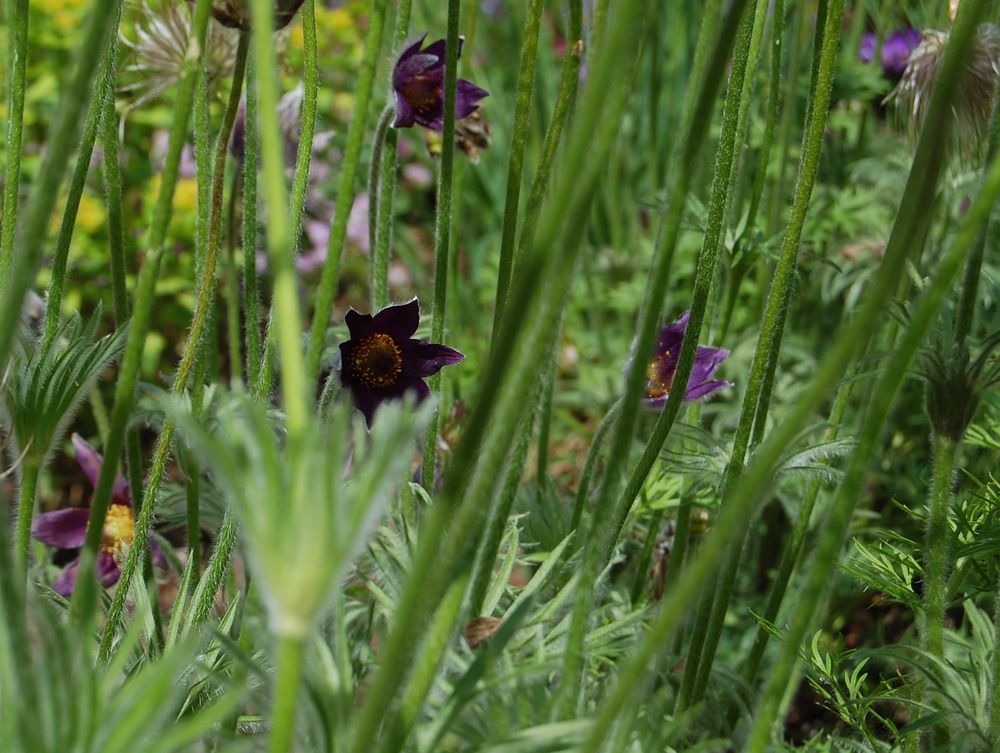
(663, 367)
(895, 51)
(67, 528)
(418, 81)
(382, 361)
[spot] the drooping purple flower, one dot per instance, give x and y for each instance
(418, 81)
(382, 361)
(67, 528)
(663, 367)
(895, 50)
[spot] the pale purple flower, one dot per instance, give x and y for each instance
(663, 367)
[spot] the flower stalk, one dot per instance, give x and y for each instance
(938, 544)
(284, 699)
(17, 62)
(345, 193)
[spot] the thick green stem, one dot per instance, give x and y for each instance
(284, 697)
(25, 511)
(345, 191)
(84, 601)
(189, 355)
(218, 567)
(310, 91)
(443, 225)
(515, 165)
(17, 61)
(611, 508)
(381, 188)
(769, 339)
(937, 548)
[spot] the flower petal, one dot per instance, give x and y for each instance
(422, 359)
(358, 324)
(400, 322)
(706, 361)
(108, 571)
(64, 529)
(64, 582)
(405, 115)
(90, 461)
(699, 391)
(468, 96)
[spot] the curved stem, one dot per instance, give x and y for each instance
(17, 62)
(590, 464)
(937, 546)
(84, 601)
(381, 188)
(515, 165)
(611, 508)
(772, 329)
(284, 697)
(189, 355)
(345, 192)
(443, 225)
(218, 567)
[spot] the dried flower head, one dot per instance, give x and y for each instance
(973, 102)
(480, 629)
(162, 31)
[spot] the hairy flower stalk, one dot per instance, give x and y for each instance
(17, 62)
(768, 344)
(454, 521)
(190, 353)
(610, 507)
(345, 191)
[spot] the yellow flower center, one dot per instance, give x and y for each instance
(119, 528)
(657, 386)
(377, 361)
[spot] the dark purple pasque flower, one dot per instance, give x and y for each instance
(661, 370)
(418, 81)
(895, 50)
(382, 361)
(67, 528)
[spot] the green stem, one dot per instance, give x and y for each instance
(345, 191)
(232, 288)
(443, 225)
(284, 698)
(515, 165)
(772, 329)
(590, 464)
(611, 508)
(455, 521)
(995, 690)
(280, 243)
(938, 544)
(310, 90)
(381, 188)
(84, 601)
(251, 295)
(189, 355)
(646, 556)
(218, 567)
(793, 547)
(17, 61)
(25, 512)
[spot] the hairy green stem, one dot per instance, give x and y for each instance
(590, 464)
(379, 191)
(310, 90)
(938, 544)
(772, 329)
(189, 355)
(17, 61)
(345, 191)
(500, 406)
(25, 511)
(84, 601)
(251, 294)
(284, 697)
(519, 139)
(444, 219)
(611, 508)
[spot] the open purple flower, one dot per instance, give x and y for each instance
(382, 361)
(895, 51)
(418, 81)
(663, 367)
(67, 528)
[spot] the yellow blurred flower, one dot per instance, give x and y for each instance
(91, 216)
(337, 20)
(65, 14)
(186, 195)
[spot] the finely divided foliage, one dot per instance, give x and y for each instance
(673, 452)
